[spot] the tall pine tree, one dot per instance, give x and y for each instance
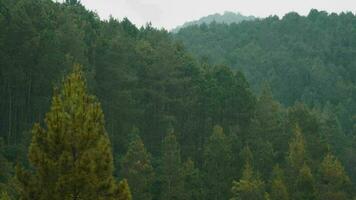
(249, 187)
(217, 165)
(334, 182)
(71, 155)
(279, 189)
(137, 169)
(171, 174)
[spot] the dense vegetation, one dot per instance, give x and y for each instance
(310, 59)
(174, 128)
(226, 18)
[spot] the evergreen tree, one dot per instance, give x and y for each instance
(279, 189)
(305, 185)
(217, 165)
(249, 187)
(334, 182)
(300, 179)
(123, 191)
(137, 169)
(171, 175)
(192, 181)
(267, 120)
(71, 155)
(296, 154)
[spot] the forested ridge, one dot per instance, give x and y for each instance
(102, 109)
(225, 18)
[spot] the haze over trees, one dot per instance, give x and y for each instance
(146, 118)
(226, 18)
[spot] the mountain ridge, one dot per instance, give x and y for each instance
(228, 17)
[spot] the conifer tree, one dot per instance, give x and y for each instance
(217, 165)
(305, 185)
(137, 169)
(279, 189)
(124, 192)
(71, 155)
(192, 181)
(267, 121)
(249, 187)
(334, 182)
(296, 154)
(171, 175)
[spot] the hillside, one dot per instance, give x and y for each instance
(304, 58)
(100, 109)
(227, 18)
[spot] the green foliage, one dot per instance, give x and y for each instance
(304, 59)
(4, 196)
(296, 155)
(249, 187)
(334, 182)
(279, 190)
(305, 185)
(193, 187)
(171, 174)
(136, 167)
(6, 167)
(144, 78)
(217, 165)
(123, 192)
(71, 155)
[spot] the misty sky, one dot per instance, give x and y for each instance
(170, 13)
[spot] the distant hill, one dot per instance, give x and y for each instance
(227, 18)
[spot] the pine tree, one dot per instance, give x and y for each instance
(71, 156)
(279, 189)
(137, 169)
(171, 175)
(334, 182)
(267, 119)
(249, 187)
(192, 181)
(123, 192)
(296, 154)
(217, 165)
(305, 185)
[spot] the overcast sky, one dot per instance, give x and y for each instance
(171, 13)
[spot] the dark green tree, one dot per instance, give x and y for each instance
(217, 165)
(136, 167)
(193, 187)
(171, 174)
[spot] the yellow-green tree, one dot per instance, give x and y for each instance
(4, 196)
(334, 182)
(249, 187)
(305, 185)
(279, 190)
(71, 153)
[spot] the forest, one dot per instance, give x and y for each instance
(94, 109)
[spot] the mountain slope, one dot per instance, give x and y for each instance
(304, 58)
(227, 18)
